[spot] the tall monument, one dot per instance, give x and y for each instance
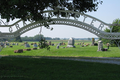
(100, 46)
(71, 42)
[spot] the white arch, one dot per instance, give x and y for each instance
(65, 21)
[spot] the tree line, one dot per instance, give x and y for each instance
(37, 38)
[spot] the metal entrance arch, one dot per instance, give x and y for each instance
(19, 27)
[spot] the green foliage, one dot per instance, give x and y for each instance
(18, 39)
(33, 9)
(43, 44)
(114, 29)
(37, 38)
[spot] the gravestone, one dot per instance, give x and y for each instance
(80, 43)
(63, 47)
(59, 44)
(63, 43)
(13, 44)
(83, 43)
(35, 45)
(27, 45)
(108, 44)
(57, 47)
(49, 43)
(16, 43)
(93, 41)
(18, 51)
(7, 44)
(71, 42)
(100, 46)
(2, 44)
(52, 44)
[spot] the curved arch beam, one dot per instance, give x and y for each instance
(65, 21)
(69, 22)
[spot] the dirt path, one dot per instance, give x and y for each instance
(86, 59)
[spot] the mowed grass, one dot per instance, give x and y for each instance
(21, 68)
(12, 68)
(87, 51)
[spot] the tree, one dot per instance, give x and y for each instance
(38, 37)
(43, 44)
(35, 38)
(18, 39)
(114, 29)
(33, 9)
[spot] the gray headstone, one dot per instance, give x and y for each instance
(35, 45)
(13, 44)
(7, 44)
(59, 44)
(83, 43)
(57, 47)
(16, 43)
(63, 47)
(80, 43)
(70, 42)
(49, 43)
(100, 45)
(52, 44)
(27, 45)
(1, 44)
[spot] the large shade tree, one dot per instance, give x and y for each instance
(33, 9)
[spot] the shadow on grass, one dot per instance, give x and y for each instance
(31, 68)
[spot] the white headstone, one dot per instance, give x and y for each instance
(70, 42)
(16, 43)
(100, 45)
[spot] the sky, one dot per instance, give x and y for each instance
(107, 12)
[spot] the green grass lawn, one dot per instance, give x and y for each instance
(15, 68)
(12, 68)
(88, 51)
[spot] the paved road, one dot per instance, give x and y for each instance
(87, 59)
